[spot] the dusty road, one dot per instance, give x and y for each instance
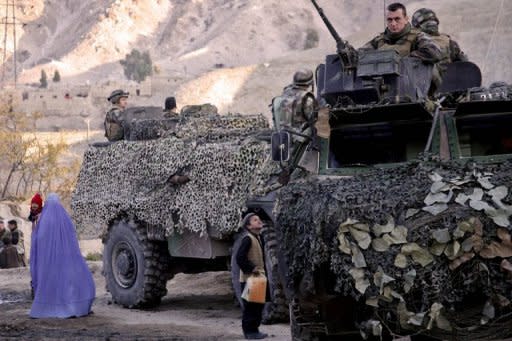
(197, 307)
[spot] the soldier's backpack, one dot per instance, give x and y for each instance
(284, 107)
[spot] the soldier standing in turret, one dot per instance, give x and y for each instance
(426, 20)
(405, 39)
(114, 120)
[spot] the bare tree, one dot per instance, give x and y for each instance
(26, 161)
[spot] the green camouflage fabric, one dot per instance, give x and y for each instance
(303, 77)
(423, 15)
(406, 242)
(295, 108)
(114, 130)
(220, 155)
(426, 20)
(410, 42)
(450, 50)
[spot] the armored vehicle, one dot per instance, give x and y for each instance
(399, 227)
(169, 198)
(404, 230)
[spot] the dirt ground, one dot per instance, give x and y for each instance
(197, 307)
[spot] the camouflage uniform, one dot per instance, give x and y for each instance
(114, 119)
(410, 42)
(426, 20)
(296, 111)
(296, 107)
(114, 130)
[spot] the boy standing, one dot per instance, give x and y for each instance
(251, 261)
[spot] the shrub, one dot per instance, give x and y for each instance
(312, 39)
(43, 81)
(137, 66)
(93, 257)
(56, 76)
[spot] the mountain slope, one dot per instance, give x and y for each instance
(234, 53)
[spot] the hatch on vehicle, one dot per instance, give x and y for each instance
(484, 134)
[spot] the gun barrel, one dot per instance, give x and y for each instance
(339, 42)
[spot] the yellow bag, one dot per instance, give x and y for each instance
(255, 289)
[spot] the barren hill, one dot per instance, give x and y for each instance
(237, 54)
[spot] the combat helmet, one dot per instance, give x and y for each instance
(116, 95)
(422, 15)
(303, 77)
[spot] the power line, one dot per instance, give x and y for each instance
(500, 10)
(9, 21)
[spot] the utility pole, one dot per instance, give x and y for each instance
(9, 22)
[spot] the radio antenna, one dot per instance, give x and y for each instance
(384, 12)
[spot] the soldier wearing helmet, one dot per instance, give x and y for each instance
(114, 120)
(295, 111)
(403, 38)
(296, 106)
(426, 20)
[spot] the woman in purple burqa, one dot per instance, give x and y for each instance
(62, 283)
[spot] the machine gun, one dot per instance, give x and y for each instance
(346, 52)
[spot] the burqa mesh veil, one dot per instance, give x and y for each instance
(62, 283)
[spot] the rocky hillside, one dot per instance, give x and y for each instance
(236, 54)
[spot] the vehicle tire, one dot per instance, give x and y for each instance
(276, 310)
(135, 268)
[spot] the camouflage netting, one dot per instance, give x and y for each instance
(423, 248)
(265, 178)
(218, 153)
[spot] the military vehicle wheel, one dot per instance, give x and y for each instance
(134, 268)
(277, 310)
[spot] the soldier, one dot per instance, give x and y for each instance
(296, 112)
(402, 37)
(295, 109)
(426, 20)
(170, 108)
(114, 120)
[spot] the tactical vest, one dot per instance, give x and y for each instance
(403, 45)
(114, 130)
(255, 255)
(443, 41)
(291, 109)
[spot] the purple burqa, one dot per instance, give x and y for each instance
(62, 283)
